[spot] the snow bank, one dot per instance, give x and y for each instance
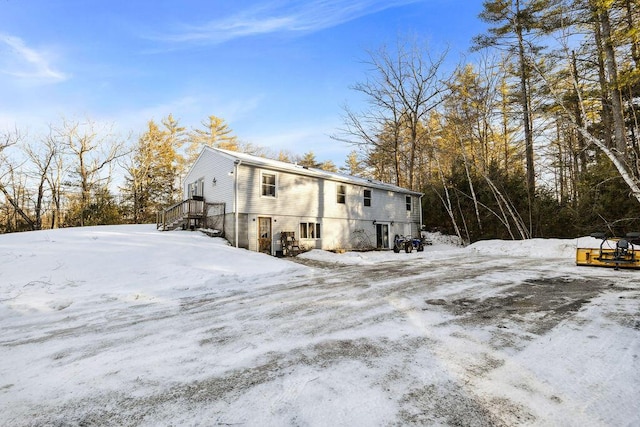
(53, 269)
(533, 248)
(446, 246)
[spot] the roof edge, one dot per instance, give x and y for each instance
(312, 172)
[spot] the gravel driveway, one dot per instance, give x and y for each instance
(455, 340)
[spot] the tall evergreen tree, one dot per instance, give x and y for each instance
(153, 175)
(353, 165)
(514, 23)
(308, 160)
(214, 133)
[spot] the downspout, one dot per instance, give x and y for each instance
(236, 163)
(420, 204)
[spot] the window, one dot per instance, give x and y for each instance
(268, 185)
(341, 193)
(367, 197)
(309, 230)
(408, 202)
(196, 188)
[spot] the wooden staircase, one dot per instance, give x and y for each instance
(187, 214)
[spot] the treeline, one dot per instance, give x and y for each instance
(538, 137)
(82, 173)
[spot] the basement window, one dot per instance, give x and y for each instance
(310, 230)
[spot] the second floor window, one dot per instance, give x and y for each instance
(408, 202)
(269, 185)
(367, 197)
(341, 193)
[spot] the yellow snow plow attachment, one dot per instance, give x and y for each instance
(612, 252)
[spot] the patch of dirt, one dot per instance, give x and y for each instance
(537, 305)
(448, 404)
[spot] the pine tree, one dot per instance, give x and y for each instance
(308, 160)
(353, 165)
(153, 176)
(215, 133)
(514, 25)
(328, 166)
(175, 137)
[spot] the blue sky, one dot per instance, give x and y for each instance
(277, 71)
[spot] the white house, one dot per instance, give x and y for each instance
(265, 198)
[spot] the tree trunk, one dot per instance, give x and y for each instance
(526, 114)
(612, 72)
(582, 153)
(607, 118)
(632, 28)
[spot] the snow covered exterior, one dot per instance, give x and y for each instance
(326, 210)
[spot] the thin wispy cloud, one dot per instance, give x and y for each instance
(23, 62)
(296, 16)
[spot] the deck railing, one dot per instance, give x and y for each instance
(181, 211)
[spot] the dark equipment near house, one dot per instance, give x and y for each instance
(408, 243)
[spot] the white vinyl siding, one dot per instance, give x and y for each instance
(310, 197)
(211, 165)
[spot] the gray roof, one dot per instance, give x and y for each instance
(312, 172)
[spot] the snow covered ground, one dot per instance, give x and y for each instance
(124, 325)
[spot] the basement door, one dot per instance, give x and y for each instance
(382, 236)
(264, 235)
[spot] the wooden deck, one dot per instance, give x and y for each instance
(182, 215)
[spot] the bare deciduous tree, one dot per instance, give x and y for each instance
(403, 87)
(93, 155)
(11, 188)
(42, 156)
